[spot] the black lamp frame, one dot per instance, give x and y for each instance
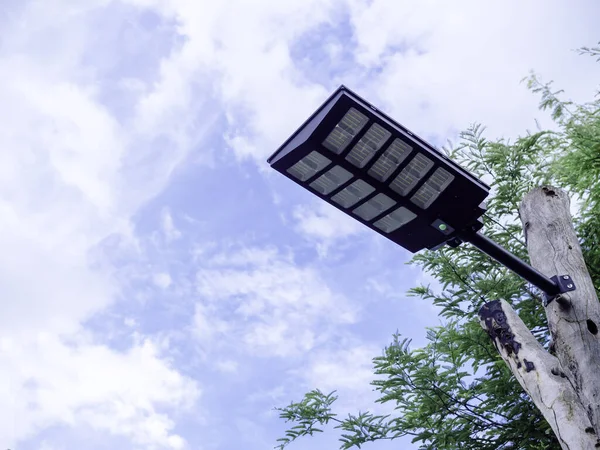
(458, 208)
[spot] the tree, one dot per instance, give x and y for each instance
(456, 392)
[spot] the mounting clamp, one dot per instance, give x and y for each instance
(565, 284)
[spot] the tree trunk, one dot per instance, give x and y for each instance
(565, 388)
(538, 373)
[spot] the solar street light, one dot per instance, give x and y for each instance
(367, 165)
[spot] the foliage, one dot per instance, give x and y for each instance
(593, 51)
(456, 392)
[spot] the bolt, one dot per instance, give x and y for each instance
(566, 277)
(569, 285)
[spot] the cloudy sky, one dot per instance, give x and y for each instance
(160, 286)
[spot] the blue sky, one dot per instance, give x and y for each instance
(161, 287)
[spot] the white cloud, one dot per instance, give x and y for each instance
(67, 165)
(130, 322)
(207, 326)
(442, 66)
(44, 445)
(264, 300)
(324, 224)
(227, 366)
(348, 370)
(434, 67)
(65, 187)
(120, 393)
(168, 226)
(162, 280)
(248, 53)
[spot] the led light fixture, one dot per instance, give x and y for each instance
(432, 188)
(311, 164)
(390, 160)
(345, 130)
(354, 193)
(375, 170)
(368, 145)
(374, 207)
(408, 178)
(361, 161)
(395, 220)
(331, 180)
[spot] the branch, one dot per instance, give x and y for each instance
(539, 374)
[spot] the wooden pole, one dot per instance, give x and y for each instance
(565, 387)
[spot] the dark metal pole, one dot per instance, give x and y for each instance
(510, 261)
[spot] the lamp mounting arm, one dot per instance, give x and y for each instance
(551, 287)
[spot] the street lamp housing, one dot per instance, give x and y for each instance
(364, 163)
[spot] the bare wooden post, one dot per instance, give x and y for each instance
(565, 387)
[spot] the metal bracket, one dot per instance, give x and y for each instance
(565, 284)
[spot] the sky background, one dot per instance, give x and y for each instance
(160, 286)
